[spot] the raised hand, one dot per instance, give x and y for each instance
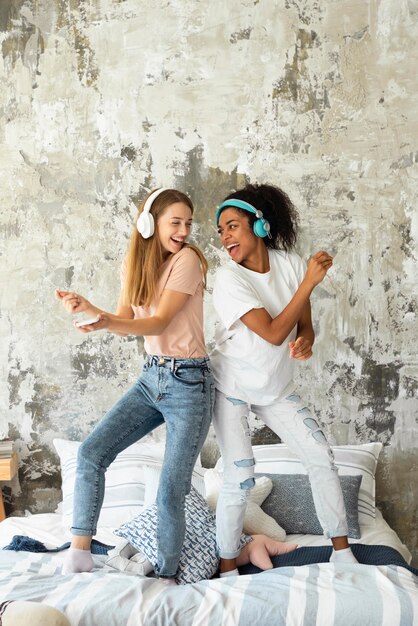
(73, 302)
(318, 266)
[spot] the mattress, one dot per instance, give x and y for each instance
(50, 530)
(317, 593)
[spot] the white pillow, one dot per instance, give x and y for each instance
(125, 481)
(125, 558)
(256, 521)
(350, 460)
(25, 613)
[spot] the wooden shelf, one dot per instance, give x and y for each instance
(8, 467)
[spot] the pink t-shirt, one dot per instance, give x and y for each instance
(183, 337)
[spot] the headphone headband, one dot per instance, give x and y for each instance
(152, 197)
(145, 223)
(238, 204)
(261, 226)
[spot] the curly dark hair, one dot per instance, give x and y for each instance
(276, 207)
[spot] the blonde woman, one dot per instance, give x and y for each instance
(163, 279)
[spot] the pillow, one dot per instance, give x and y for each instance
(24, 613)
(198, 558)
(125, 558)
(124, 487)
(291, 504)
(352, 460)
(256, 521)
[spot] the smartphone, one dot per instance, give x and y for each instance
(92, 320)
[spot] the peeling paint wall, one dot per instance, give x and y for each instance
(102, 99)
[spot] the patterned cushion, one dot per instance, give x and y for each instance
(291, 504)
(198, 559)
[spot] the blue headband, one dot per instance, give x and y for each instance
(261, 226)
(238, 204)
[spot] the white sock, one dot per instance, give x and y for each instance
(343, 556)
(77, 560)
(167, 581)
(232, 572)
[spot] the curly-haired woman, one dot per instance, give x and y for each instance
(262, 300)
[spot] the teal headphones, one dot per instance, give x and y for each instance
(261, 226)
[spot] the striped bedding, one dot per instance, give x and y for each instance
(319, 594)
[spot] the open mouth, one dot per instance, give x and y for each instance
(177, 241)
(232, 248)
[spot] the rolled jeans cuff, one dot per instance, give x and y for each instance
(80, 532)
(229, 555)
(341, 531)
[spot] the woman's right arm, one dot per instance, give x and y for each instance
(123, 311)
(275, 330)
(123, 322)
(74, 303)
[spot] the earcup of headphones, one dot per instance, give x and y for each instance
(259, 228)
(145, 224)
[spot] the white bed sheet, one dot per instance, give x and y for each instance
(50, 530)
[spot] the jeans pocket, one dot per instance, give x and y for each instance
(189, 375)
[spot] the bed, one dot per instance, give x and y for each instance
(290, 594)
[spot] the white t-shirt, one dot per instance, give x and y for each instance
(245, 365)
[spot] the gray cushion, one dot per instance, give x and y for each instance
(291, 504)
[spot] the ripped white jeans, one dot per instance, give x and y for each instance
(293, 422)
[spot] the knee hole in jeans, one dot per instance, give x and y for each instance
(293, 397)
(247, 484)
(245, 426)
(316, 431)
(235, 401)
(245, 462)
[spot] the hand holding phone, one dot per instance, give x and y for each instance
(92, 320)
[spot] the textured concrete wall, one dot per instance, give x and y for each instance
(102, 99)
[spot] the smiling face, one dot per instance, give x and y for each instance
(173, 227)
(237, 236)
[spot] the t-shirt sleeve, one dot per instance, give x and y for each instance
(233, 297)
(299, 267)
(186, 273)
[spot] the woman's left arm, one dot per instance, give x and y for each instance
(301, 348)
(171, 302)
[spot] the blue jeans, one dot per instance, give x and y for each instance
(177, 392)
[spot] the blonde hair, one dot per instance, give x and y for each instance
(145, 256)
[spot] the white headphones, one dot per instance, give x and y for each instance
(145, 222)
